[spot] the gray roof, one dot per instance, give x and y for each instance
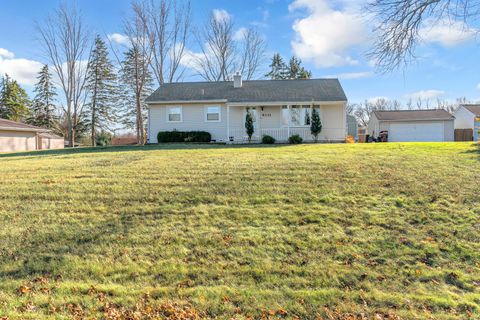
(399, 115)
(252, 91)
(50, 135)
(13, 125)
(473, 108)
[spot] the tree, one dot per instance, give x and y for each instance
(101, 86)
(249, 126)
(13, 100)
(222, 54)
(43, 105)
(278, 68)
(401, 22)
(65, 42)
(316, 125)
(135, 71)
(296, 71)
(136, 79)
(169, 28)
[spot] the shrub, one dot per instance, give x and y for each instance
(103, 139)
(184, 136)
(295, 139)
(249, 127)
(266, 139)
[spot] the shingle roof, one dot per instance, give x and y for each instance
(13, 125)
(398, 115)
(252, 91)
(473, 108)
(50, 135)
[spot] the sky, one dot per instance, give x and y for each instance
(331, 37)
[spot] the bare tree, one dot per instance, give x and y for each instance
(66, 43)
(363, 111)
(400, 21)
(140, 56)
(169, 27)
(221, 56)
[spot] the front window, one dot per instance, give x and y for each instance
(212, 113)
(253, 112)
(174, 114)
(285, 115)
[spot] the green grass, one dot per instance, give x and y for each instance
(236, 231)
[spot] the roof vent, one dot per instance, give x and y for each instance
(237, 80)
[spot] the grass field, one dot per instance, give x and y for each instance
(384, 230)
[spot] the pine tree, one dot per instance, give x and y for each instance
(43, 107)
(278, 68)
(249, 125)
(136, 82)
(316, 125)
(296, 71)
(101, 84)
(14, 100)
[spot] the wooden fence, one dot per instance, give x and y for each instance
(463, 134)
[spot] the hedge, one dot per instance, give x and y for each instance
(184, 136)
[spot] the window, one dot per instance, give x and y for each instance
(299, 116)
(174, 114)
(212, 114)
(253, 112)
(285, 115)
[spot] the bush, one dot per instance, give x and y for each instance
(103, 139)
(295, 139)
(266, 139)
(184, 136)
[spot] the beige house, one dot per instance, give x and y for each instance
(16, 136)
(280, 108)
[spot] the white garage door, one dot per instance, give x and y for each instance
(416, 131)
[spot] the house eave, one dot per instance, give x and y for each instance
(246, 103)
(23, 129)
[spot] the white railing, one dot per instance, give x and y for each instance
(282, 134)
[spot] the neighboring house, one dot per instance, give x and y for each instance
(413, 125)
(280, 108)
(16, 136)
(352, 126)
(467, 116)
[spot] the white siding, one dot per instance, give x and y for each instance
(464, 119)
(445, 133)
(13, 141)
(373, 126)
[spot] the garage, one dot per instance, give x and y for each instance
(413, 125)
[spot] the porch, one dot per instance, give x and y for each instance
(283, 121)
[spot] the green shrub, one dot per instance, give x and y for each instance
(103, 139)
(266, 139)
(183, 136)
(295, 139)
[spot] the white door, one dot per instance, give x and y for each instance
(419, 131)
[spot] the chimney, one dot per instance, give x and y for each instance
(237, 80)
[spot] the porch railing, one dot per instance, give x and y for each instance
(282, 134)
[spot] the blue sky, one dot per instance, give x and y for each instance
(331, 37)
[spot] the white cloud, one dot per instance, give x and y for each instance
(352, 75)
(221, 15)
(22, 70)
(5, 54)
(375, 100)
(118, 38)
(426, 94)
(325, 35)
(478, 86)
(446, 33)
(239, 35)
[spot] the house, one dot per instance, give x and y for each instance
(16, 136)
(352, 126)
(412, 125)
(280, 108)
(467, 116)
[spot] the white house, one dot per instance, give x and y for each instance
(16, 136)
(280, 108)
(466, 116)
(413, 125)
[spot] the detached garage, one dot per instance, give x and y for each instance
(16, 136)
(413, 125)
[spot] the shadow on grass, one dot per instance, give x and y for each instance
(166, 146)
(475, 150)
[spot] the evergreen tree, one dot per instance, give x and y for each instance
(278, 68)
(101, 84)
(249, 125)
(14, 100)
(136, 85)
(296, 71)
(43, 107)
(316, 125)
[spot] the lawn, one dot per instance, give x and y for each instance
(390, 231)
